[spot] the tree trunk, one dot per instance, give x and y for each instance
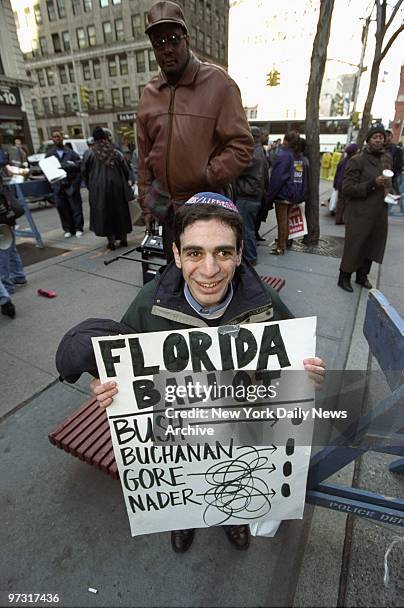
(318, 59)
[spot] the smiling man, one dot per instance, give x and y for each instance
(191, 126)
(208, 285)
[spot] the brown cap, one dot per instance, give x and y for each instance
(165, 12)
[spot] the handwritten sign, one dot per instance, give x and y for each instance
(208, 427)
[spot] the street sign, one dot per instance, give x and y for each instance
(10, 95)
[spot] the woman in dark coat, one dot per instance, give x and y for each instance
(106, 174)
(364, 188)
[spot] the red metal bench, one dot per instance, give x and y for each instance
(86, 434)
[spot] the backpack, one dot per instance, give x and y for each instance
(299, 181)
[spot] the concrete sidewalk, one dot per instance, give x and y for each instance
(64, 523)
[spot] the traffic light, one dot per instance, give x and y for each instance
(84, 96)
(273, 78)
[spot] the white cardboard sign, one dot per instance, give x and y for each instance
(190, 452)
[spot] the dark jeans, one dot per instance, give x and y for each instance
(249, 209)
(70, 209)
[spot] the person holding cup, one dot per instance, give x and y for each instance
(364, 187)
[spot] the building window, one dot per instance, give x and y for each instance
(42, 45)
(38, 15)
(192, 4)
(222, 52)
(152, 61)
(67, 103)
(27, 14)
(116, 1)
(193, 37)
(34, 47)
(50, 7)
(92, 36)
(136, 26)
(76, 6)
(62, 74)
(119, 33)
(96, 69)
(40, 78)
(61, 8)
(140, 61)
(75, 102)
(217, 20)
(50, 76)
(217, 45)
(103, 3)
(66, 41)
(88, 5)
(81, 38)
(86, 71)
(208, 45)
(91, 99)
(201, 40)
(145, 20)
(140, 90)
(123, 65)
(100, 98)
(16, 19)
(55, 105)
(112, 68)
(71, 73)
(46, 106)
(208, 14)
(201, 9)
(126, 96)
(34, 105)
(107, 29)
(57, 47)
(115, 97)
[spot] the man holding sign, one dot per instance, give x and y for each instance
(208, 285)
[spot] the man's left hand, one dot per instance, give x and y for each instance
(316, 368)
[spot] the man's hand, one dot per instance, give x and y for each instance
(104, 393)
(315, 367)
(383, 181)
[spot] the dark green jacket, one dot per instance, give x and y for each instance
(161, 305)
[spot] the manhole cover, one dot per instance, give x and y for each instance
(331, 246)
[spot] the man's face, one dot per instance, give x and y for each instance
(376, 142)
(208, 260)
(171, 54)
(388, 137)
(57, 139)
(17, 142)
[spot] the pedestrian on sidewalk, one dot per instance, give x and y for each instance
(249, 190)
(350, 150)
(67, 191)
(106, 174)
(192, 131)
(366, 214)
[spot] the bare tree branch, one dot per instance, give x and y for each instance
(390, 42)
(393, 14)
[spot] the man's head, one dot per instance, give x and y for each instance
(256, 134)
(291, 140)
(375, 138)
(389, 136)
(57, 138)
(17, 142)
(208, 245)
(168, 35)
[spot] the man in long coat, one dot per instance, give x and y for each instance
(364, 188)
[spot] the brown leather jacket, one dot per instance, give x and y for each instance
(193, 136)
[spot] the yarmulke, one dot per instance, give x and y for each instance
(215, 199)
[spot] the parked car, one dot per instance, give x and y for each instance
(77, 144)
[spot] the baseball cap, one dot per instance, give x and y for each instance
(165, 12)
(75, 354)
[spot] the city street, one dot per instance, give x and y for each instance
(64, 524)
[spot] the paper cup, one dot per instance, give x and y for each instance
(388, 173)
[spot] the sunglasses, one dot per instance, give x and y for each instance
(172, 39)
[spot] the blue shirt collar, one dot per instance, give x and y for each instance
(212, 312)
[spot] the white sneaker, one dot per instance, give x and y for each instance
(67, 235)
(79, 234)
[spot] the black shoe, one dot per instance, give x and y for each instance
(238, 536)
(364, 281)
(344, 282)
(259, 238)
(111, 246)
(181, 539)
(8, 309)
(123, 243)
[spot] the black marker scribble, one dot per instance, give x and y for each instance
(237, 490)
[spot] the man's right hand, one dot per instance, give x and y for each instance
(104, 392)
(383, 181)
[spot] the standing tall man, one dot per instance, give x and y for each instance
(191, 127)
(67, 191)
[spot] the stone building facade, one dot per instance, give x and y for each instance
(16, 114)
(90, 59)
